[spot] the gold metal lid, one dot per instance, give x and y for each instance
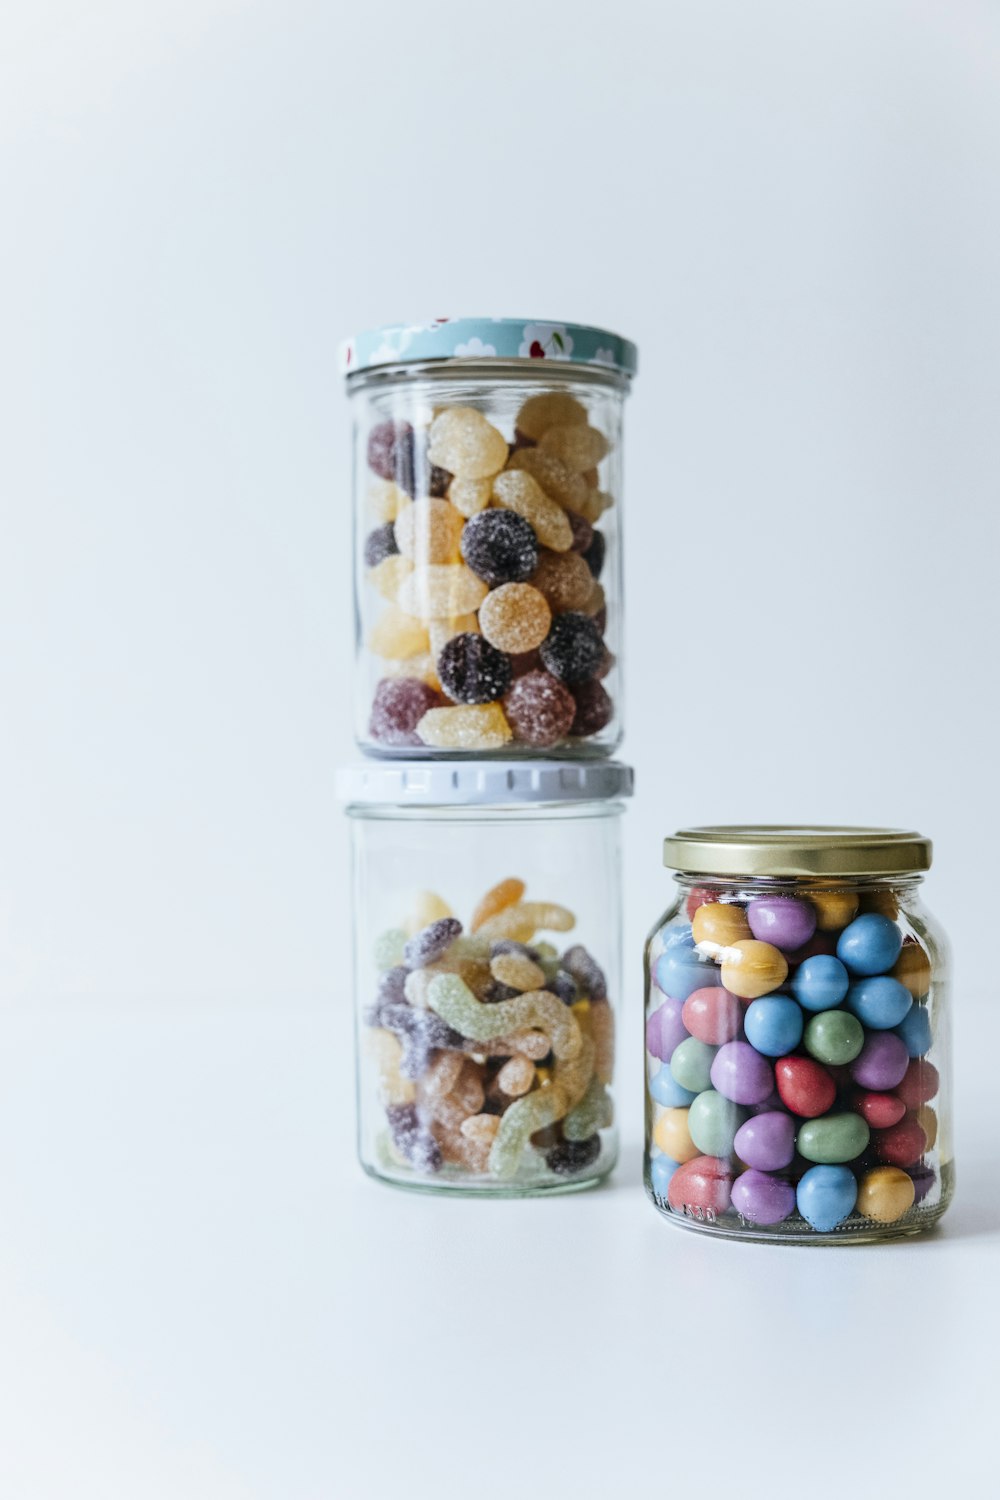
(772, 850)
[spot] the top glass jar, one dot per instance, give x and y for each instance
(487, 489)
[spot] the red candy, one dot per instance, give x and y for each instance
(902, 1145)
(921, 1082)
(804, 1087)
(699, 897)
(702, 1186)
(820, 942)
(713, 1015)
(880, 1110)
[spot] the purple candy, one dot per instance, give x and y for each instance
(767, 1142)
(924, 1179)
(665, 1030)
(762, 1199)
(740, 1073)
(882, 1061)
(782, 921)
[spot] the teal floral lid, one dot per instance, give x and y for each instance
(487, 338)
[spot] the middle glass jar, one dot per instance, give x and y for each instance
(487, 477)
(487, 915)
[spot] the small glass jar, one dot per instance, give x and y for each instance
(487, 970)
(487, 491)
(798, 1053)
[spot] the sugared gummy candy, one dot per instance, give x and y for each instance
(500, 547)
(539, 709)
(380, 544)
(473, 671)
(397, 708)
(594, 709)
(570, 1158)
(573, 649)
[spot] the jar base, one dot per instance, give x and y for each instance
(855, 1230)
(461, 1185)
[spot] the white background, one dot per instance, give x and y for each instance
(795, 212)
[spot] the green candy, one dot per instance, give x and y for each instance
(594, 1112)
(691, 1065)
(389, 947)
(833, 1139)
(834, 1036)
(713, 1122)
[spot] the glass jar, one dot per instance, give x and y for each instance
(798, 1055)
(487, 485)
(487, 968)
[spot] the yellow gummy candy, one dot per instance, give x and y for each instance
(504, 893)
(387, 575)
(550, 409)
(559, 483)
(577, 446)
(472, 726)
(442, 631)
(465, 443)
(524, 919)
(386, 500)
(428, 531)
(470, 496)
(440, 591)
(397, 635)
(517, 491)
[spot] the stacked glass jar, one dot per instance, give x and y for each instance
(487, 463)
(797, 1037)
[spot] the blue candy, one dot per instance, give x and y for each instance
(915, 1029)
(825, 1196)
(880, 1002)
(773, 1025)
(821, 982)
(679, 971)
(870, 944)
(665, 1089)
(661, 1169)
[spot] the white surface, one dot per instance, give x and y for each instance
(794, 210)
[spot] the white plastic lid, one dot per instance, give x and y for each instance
(492, 783)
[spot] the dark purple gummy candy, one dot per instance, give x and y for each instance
(391, 991)
(539, 709)
(593, 555)
(412, 1138)
(495, 991)
(594, 709)
(397, 708)
(525, 661)
(573, 649)
(421, 1033)
(564, 987)
(390, 453)
(500, 946)
(583, 532)
(380, 544)
(588, 974)
(571, 1157)
(431, 941)
(471, 670)
(500, 547)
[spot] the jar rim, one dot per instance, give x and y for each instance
(442, 783)
(775, 849)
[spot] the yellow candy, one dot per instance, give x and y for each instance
(423, 667)
(834, 909)
(719, 922)
(464, 443)
(913, 968)
(524, 919)
(386, 500)
(515, 617)
(929, 1124)
(387, 575)
(578, 447)
(517, 491)
(428, 907)
(885, 902)
(428, 531)
(472, 726)
(397, 635)
(516, 1077)
(885, 1194)
(558, 482)
(386, 1050)
(440, 591)
(758, 970)
(470, 496)
(672, 1136)
(441, 631)
(518, 971)
(550, 409)
(504, 893)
